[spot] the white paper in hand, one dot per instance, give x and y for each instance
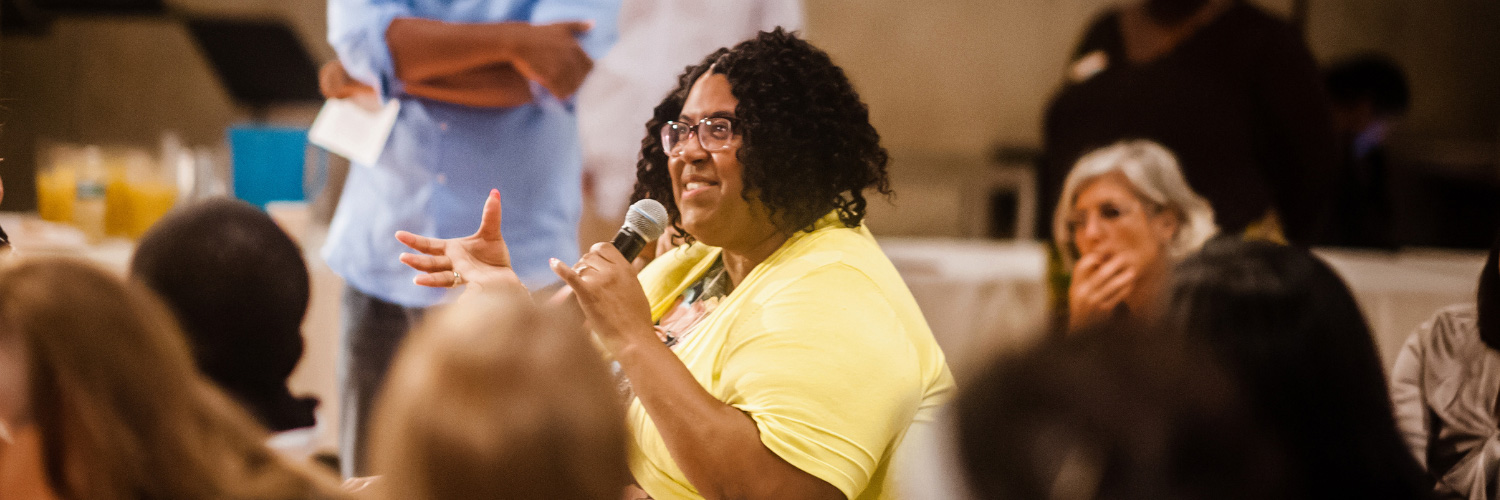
(352, 129)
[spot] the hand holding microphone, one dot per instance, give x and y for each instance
(605, 284)
(644, 223)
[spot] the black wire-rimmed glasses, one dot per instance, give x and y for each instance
(714, 134)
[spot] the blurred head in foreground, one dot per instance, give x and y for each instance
(101, 371)
(239, 286)
(1285, 325)
(495, 400)
(1113, 413)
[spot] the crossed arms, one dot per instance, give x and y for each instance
(475, 64)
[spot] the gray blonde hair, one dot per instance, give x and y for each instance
(1155, 177)
(492, 398)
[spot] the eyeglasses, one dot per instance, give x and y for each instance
(714, 134)
(1110, 212)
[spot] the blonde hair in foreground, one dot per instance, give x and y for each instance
(1156, 178)
(122, 412)
(490, 399)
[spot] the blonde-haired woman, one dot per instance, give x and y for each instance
(492, 400)
(1125, 216)
(101, 391)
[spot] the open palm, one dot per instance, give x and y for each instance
(481, 258)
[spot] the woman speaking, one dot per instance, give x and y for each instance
(777, 353)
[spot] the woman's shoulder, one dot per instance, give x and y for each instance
(1101, 33)
(838, 268)
(833, 250)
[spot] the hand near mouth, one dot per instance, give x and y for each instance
(1101, 282)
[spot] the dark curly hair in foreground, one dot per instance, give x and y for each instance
(807, 144)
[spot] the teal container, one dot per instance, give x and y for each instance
(268, 162)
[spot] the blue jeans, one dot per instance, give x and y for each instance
(373, 329)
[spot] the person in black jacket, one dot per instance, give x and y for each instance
(1232, 90)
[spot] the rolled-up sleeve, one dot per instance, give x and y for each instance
(605, 15)
(356, 29)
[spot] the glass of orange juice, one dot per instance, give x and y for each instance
(122, 164)
(57, 182)
(151, 192)
(149, 201)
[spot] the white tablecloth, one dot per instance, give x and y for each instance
(1397, 291)
(979, 296)
(31, 236)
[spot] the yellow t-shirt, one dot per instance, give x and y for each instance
(822, 345)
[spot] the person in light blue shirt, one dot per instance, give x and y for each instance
(485, 89)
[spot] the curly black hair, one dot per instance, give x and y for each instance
(807, 144)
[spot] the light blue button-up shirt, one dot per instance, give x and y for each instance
(442, 159)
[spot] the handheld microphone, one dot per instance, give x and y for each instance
(644, 223)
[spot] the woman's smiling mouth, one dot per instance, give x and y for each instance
(695, 187)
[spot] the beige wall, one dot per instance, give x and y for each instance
(943, 78)
(955, 75)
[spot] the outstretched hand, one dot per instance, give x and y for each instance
(481, 258)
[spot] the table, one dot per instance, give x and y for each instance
(1398, 291)
(980, 297)
(34, 237)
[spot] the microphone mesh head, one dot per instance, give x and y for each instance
(647, 218)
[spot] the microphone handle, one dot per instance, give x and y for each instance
(628, 243)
